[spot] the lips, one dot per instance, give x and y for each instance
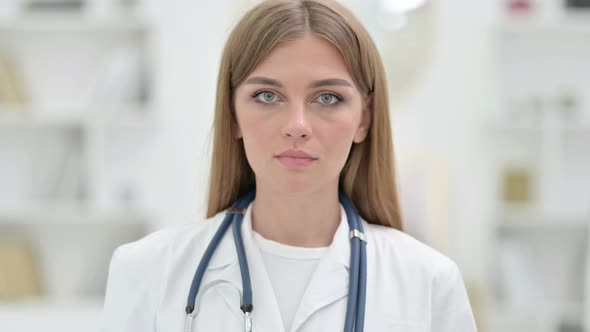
(296, 154)
(295, 158)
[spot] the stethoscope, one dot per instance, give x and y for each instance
(357, 287)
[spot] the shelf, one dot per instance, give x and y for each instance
(72, 24)
(70, 213)
(45, 314)
(506, 127)
(51, 303)
(12, 117)
(533, 27)
(524, 222)
(536, 316)
(562, 308)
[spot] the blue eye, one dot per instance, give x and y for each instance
(329, 99)
(265, 97)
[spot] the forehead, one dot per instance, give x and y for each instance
(308, 57)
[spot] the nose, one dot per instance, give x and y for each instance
(297, 124)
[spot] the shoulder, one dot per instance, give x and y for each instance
(403, 252)
(427, 278)
(137, 272)
(139, 267)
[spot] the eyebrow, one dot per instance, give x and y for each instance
(314, 84)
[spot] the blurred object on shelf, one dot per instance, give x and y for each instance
(520, 7)
(69, 178)
(120, 81)
(531, 111)
(61, 176)
(18, 270)
(127, 4)
(54, 6)
(113, 8)
(11, 92)
(567, 326)
(128, 196)
(516, 186)
(569, 104)
(577, 4)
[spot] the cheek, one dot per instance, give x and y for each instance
(256, 135)
(338, 140)
(248, 119)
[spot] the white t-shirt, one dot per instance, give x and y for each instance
(289, 269)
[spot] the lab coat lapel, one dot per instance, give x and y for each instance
(223, 268)
(266, 315)
(329, 282)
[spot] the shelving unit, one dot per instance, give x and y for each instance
(540, 283)
(540, 262)
(87, 87)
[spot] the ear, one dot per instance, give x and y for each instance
(366, 116)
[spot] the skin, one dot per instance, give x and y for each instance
(285, 103)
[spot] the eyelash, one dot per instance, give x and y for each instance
(339, 99)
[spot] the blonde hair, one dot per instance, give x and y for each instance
(368, 177)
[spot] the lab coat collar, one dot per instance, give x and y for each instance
(338, 252)
(328, 284)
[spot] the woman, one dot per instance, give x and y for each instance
(301, 116)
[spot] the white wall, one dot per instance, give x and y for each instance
(188, 45)
(446, 114)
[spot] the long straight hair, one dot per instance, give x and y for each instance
(368, 177)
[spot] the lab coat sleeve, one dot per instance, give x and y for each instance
(450, 304)
(131, 293)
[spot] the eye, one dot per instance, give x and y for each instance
(265, 97)
(329, 99)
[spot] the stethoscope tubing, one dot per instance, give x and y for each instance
(358, 265)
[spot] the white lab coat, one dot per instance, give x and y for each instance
(410, 287)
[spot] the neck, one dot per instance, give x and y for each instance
(301, 220)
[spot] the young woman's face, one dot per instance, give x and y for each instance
(300, 97)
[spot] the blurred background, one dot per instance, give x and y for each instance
(106, 109)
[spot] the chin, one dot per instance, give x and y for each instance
(294, 188)
(293, 185)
